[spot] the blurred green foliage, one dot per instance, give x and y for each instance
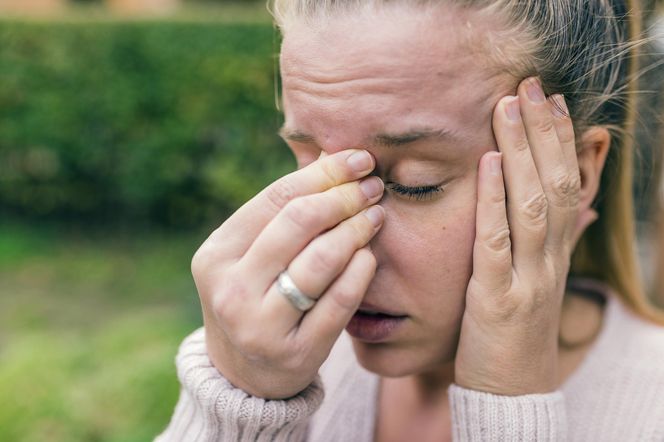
(89, 329)
(137, 122)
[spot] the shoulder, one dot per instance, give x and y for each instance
(627, 345)
(638, 342)
(625, 337)
(616, 392)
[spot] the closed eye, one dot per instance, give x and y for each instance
(418, 193)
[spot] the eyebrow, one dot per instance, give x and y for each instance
(383, 139)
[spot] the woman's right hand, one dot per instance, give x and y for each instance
(315, 223)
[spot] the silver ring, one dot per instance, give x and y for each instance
(287, 287)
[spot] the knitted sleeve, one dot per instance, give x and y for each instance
(480, 416)
(210, 408)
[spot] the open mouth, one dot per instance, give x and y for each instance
(372, 310)
(373, 325)
(375, 314)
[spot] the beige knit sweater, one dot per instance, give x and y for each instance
(616, 394)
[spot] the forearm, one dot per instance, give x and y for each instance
(210, 408)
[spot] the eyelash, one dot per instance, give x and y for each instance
(418, 193)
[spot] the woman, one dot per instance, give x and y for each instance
(442, 189)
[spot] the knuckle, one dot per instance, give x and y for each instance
(232, 284)
(231, 287)
(497, 197)
(565, 186)
(566, 132)
(281, 192)
(546, 126)
(325, 260)
(521, 144)
(199, 262)
(528, 303)
(575, 195)
(498, 241)
(347, 199)
(503, 306)
(220, 304)
(306, 213)
(535, 209)
(361, 229)
(344, 297)
(329, 171)
(506, 307)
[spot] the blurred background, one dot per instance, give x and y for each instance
(129, 129)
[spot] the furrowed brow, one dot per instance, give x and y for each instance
(385, 139)
(412, 136)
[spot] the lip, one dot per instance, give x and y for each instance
(374, 328)
(365, 306)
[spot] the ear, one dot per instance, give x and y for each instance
(593, 150)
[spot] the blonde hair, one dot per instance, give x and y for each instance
(587, 51)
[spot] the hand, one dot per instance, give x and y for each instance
(527, 225)
(316, 223)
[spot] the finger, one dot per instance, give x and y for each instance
(566, 136)
(492, 255)
(325, 322)
(558, 182)
(320, 263)
(300, 222)
(526, 201)
(241, 229)
(327, 255)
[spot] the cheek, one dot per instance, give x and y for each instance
(430, 247)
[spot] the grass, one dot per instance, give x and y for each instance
(89, 328)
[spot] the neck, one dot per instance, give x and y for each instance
(430, 387)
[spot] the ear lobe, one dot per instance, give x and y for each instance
(595, 144)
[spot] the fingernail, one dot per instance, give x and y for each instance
(534, 91)
(360, 161)
(495, 163)
(558, 106)
(372, 187)
(376, 215)
(512, 109)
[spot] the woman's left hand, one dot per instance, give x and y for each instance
(527, 225)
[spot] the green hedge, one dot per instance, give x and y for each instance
(149, 122)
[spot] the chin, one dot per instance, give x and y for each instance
(395, 361)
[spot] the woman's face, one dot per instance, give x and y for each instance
(408, 87)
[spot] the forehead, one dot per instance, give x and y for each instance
(388, 69)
